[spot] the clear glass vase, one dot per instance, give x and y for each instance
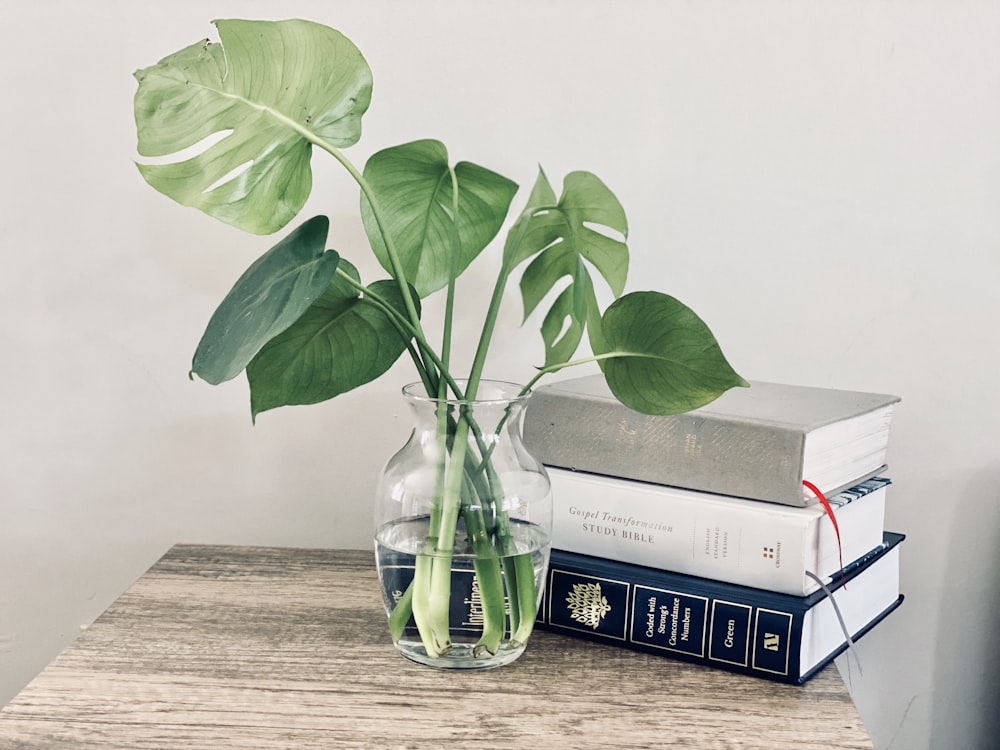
(463, 517)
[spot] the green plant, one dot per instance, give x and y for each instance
(300, 320)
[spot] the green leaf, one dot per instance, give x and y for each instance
(272, 88)
(569, 315)
(566, 241)
(341, 342)
(667, 360)
(536, 228)
(269, 296)
(413, 186)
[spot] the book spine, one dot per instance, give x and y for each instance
(711, 454)
(606, 605)
(744, 542)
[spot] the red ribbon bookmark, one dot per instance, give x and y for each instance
(829, 511)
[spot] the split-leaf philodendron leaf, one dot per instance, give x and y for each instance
(270, 90)
(414, 187)
(668, 361)
(341, 342)
(565, 236)
(269, 296)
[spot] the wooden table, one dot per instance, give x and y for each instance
(237, 647)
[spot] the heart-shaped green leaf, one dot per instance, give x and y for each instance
(341, 342)
(272, 88)
(413, 186)
(666, 359)
(269, 296)
(566, 241)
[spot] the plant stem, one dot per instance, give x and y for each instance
(489, 324)
(439, 580)
(488, 573)
(423, 613)
(433, 619)
(522, 599)
(400, 614)
(518, 232)
(485, 561)
(449, 310)
(390, 245)
(543, 371)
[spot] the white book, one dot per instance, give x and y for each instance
(746, 542)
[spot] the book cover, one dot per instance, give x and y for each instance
(759, 442)
(730, 539)
(746, 630)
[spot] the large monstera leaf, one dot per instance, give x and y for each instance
(267, 93)
(342, 341)
(666, 360)
(565, 239)
(414, 186)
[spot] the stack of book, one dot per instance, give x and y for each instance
(746, 535)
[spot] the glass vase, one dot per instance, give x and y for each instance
(463, 520)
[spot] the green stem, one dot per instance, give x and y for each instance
(390, 245)
(504, 540)
(423, 608)
(434, 608)
(488, 572)
(527, 599)
(449, 310)
(518, 570)
(438, 578)
(441, 392)
(489, 324)
(543, 371)
(401, 613)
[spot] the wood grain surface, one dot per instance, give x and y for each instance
(240, 647)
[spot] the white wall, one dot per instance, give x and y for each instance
(818, 179)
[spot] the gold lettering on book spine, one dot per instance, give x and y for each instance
(587, 605)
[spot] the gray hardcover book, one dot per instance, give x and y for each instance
(759, 442)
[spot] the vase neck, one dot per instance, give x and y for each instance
(498, 411)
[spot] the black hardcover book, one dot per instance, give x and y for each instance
(761, 633)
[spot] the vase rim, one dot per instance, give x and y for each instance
(513, 391)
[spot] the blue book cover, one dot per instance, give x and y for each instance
(762, 633)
